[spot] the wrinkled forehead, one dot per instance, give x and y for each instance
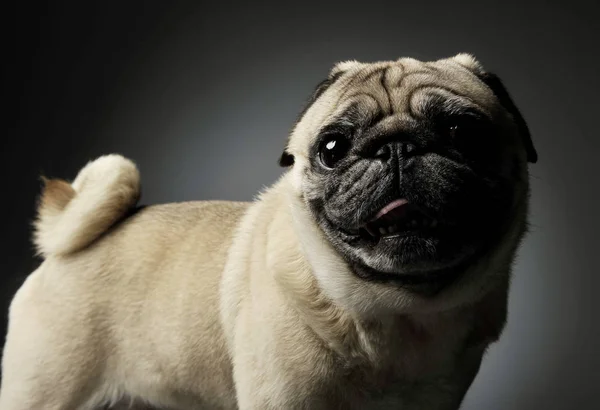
(406, 85)
(396, 88)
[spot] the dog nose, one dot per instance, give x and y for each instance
(403, 149)
(384, 153)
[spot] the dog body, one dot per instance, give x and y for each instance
(287, 302)
(130, 327)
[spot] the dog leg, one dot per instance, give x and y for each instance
(48, 363)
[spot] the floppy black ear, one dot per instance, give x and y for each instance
(287, 159)
(495, 84)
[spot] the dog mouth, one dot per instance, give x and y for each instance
(399, 219)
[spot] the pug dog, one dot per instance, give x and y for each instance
(372, 275)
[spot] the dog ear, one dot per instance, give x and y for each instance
(286, 159)
(469, 61)
(495, 84)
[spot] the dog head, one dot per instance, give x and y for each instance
(414, 172)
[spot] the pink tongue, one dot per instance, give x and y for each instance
(391, 206)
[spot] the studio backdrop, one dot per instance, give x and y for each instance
(202, 96)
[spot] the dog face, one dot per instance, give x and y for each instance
(412, 170)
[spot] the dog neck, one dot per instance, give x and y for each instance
(306, 269)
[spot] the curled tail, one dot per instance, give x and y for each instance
(71, 216)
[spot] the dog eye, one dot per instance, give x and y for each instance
(333, 148)
(463, 127)
(453, 130)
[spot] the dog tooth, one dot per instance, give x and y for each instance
(393, 229)
(382, 230)
(412, 223)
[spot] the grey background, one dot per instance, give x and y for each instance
(202, 98)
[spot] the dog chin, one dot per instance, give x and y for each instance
(401, 263)
(427, 278)
(410, 261)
